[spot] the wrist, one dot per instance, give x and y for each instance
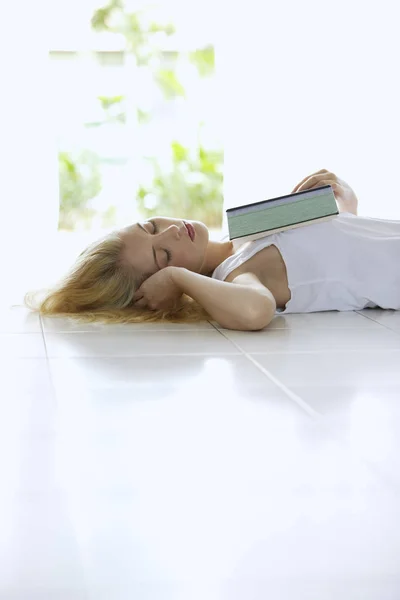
(176, 274)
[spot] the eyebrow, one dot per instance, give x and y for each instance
(152, 247)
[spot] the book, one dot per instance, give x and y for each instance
(253, 221)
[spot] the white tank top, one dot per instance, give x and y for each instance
(347, 263)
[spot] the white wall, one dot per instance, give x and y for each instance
(28, 160)
(311, 85)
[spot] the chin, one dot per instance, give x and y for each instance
(201, 229)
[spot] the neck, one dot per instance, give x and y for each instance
(216, 253)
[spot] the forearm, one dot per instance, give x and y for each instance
(245, 306)
(346, 198)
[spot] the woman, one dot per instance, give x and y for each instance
(169, 269)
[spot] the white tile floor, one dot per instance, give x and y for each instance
(196, 463)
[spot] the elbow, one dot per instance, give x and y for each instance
(260, 321)
(259, 315)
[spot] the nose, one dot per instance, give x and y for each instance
(173, 231)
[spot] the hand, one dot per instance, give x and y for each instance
(344, 194)
(159, 291)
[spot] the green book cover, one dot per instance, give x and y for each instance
(285, 212)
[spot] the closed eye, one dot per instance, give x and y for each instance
(168, 253)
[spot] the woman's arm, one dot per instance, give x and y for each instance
(244, 304)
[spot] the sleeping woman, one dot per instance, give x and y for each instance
(169, 269)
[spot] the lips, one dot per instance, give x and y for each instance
(190, 230)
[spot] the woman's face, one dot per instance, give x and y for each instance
(161, 242)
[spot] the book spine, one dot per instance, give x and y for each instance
(289, 198)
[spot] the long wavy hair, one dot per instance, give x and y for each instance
(100, 287)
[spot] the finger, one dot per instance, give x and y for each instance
(317, 185)
(321, 172)
(141, 303)
(315, 181)
(334, 186)
(308, 177)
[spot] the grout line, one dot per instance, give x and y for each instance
(378, 323)
(325, 351)
(294, 397)
(329, 351)
(47, 358)
(127, 331)
(149, 355)
(121, 331)
(43, 336)
(323, 423)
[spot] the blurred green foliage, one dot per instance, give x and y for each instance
(203, 60)
(169, 83)
(80, 181)
(191, 189)
(143, 39)
(138, 32)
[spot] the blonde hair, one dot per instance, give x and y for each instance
(100, 287)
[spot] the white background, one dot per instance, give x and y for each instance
(311, 85)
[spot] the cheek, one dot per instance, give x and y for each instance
(192, 260)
